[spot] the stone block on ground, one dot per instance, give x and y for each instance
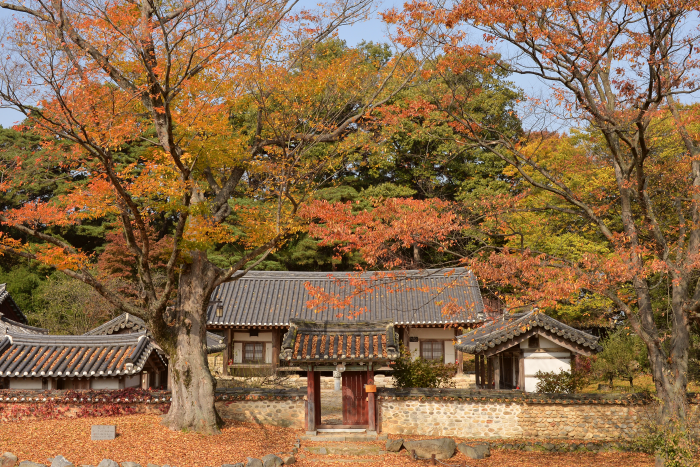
(480, 451)
(237, 464)
(443, 448)
(8, 460)
(394, 445)
(288, 459)
(60, 461)
(30, 464)
(130, 464)
(272, 460)
(253, 462)
(152, 465)
(107, 463)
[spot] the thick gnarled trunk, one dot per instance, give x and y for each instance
(192, 385)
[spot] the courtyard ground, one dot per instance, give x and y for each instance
(142, 439)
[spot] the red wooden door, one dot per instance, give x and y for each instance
(354, 398)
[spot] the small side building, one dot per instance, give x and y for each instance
(511, 350)
(33, 361)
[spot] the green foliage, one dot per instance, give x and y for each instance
(624, 356)
(563, 382)
(672, 442)
(421, 373)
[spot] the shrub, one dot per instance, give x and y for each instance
(421, 373)
(624, 356)
(563, 382)
(671, 442)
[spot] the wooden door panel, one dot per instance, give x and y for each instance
(354, 398)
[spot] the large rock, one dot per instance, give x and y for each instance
(443, 448)
(130, 464)
(60, 461)
(394, 445)
(288, 459)
(107, 463)
(272, 461)
(253, 462)
(8, 460)
(237, 464)
(480, 451)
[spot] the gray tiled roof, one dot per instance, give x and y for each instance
(334, 342)
(131, 323)
(5, 297)
(8, 326)
(511, 326)
(23, 355)
(274, 298)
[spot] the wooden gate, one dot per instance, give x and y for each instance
(355, 398)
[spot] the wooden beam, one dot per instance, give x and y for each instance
(573, 346)
(311, 401)
(521, 370)
(275, 349)
(371, 404)
(483, 371)
(496, 365)
(477, 371)
(460, 357)
(489, 373)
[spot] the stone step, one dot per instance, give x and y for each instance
(346, 449)
(353, 437)
(342, 430)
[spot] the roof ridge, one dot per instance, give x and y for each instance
(83, 340)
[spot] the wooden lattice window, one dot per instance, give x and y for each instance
(432, 350)
(253, 352)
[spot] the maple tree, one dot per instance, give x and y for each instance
(627, 193)
(241, 109)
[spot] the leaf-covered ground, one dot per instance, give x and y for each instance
(142, 439)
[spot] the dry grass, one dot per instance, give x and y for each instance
(640, 383)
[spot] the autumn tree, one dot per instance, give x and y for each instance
(618, 71)
(243, 114)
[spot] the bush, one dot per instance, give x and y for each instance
(624, 356)
(421, 373)
(563, 382)
(672, 442)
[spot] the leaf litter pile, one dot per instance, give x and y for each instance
(141, 438)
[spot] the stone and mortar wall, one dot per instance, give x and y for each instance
(284, 408)
(509, 414)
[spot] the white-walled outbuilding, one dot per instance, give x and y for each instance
(511, 350)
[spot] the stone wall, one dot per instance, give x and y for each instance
(264, 406)
(510, 414)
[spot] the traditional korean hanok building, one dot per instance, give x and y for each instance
(511, 350)
(427, 307)
(356, 350)
(35, 361)
(127, 324)
(12, 320)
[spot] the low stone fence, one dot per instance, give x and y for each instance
(279, 407)
(513, 414)
(264, 406)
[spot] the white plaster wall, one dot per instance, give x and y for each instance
(112, 383)
(450, 352)
(545, 362)
(268, 352)
(25, 383)
(547, 344)
(245, 337)
(433, 333)
(414, 347)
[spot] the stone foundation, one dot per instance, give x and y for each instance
(266, 407)
(510, 414)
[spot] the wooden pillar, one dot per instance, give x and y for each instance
(405, 337)
(482, 365)
(496, 371)
(275, 349)
(521, 371)
(477, 371)
(489, 372)
(228, 351)
(460, 357)
(371, 403)
(311, 391)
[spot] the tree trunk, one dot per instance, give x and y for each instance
(192, 407)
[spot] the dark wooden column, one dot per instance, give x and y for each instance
(371, 404)
(460, 357)
(521, 370)
(496, 365)
(228, 351)
(477, 371)
(482, 365)
(313, 394)
(275, 349)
